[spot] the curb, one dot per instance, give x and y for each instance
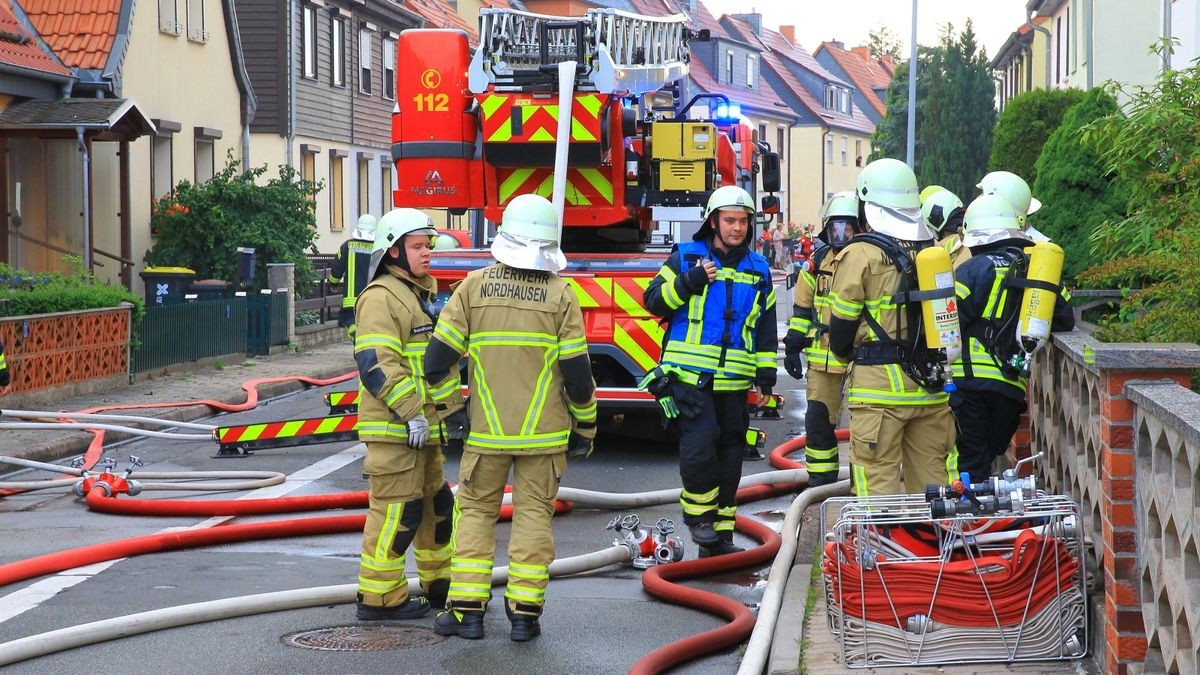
(78, 442)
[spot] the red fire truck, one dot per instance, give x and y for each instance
(472, 130)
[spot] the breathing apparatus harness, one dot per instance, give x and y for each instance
(924, 365)
(998, 335)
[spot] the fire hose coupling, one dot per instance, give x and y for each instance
(112, 484)
(649, 549)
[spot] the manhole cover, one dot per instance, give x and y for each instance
(364, 638)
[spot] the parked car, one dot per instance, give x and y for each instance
(451, 239)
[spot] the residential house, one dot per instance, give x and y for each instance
(175, 63)
(1093, 42)
(1024, 62)
(831, 137)
(868, 77)
(1183, 23)
(327, 111)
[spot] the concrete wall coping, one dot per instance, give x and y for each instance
(1177, 407)
(1098, 356)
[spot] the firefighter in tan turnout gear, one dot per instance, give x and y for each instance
(808, 333)
(899, 411)
(532, 401)
(410, 502)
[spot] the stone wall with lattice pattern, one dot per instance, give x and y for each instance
(52, 350)
(1082, 416)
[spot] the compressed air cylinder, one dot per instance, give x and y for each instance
(1037, 304)
(939, 315)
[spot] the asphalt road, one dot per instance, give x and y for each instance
(596, 623)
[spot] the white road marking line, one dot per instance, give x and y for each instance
(19, 602)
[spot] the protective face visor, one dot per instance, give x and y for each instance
(528, 254)
(903, 224)
(838, 231)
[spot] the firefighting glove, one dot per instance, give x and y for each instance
(579, 446)
(794, 365)
(418, 432)
(458, 425)
(658, 383)
(688, 399)
(695, 278)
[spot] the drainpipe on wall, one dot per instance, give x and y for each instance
(1166, 32)
(1045, 32)
(87, 200)
(827, 131)
(291, 76)
(1087, 53)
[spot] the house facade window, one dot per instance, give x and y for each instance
(780, 140)
(829, 148)
(338, 51)
(205, 160)
(162, 179)
(308, 164)
(308, 42)
(858, 156)
(364, 60)
(845, 149)
(762, 132)
(385, 181)
(364, 184)
(751, 68)
(337, 190)
(729, 67)
(195, 19)
(389, 69)
(168, 17)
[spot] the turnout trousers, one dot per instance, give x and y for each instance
(711, 447)
(824, 405)
(482, 477)
(411, 506)
(986, 423)
(886, 439)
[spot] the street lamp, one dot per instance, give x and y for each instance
(910, 154)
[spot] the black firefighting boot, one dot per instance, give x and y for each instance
(723, 547)
(464, 619)
(524, 621)
(704, 534)
(438, 589)
(414, 608)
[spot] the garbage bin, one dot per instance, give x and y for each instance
(211, 289)
(245, 266)
(165, 281)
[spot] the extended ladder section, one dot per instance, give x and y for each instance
(617, 52)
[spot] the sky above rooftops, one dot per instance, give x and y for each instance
(849, 21)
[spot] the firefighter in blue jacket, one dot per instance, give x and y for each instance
(717, 297)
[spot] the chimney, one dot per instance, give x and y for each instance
(754, 19)
(837, 43)
(789, 32)
(888, 61)
(862, 52)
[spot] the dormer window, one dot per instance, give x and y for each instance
(838, 99)
(751, 69)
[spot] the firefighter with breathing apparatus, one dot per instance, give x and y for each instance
(1007, 306)
(1014, 188)
(808, 335)
(532, 404)
(893, 315)
(942, 211)
(410, 502)
(721, 339)
(351, 265)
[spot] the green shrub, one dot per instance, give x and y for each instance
(1077, 193)
(200, 226)
(77, 289)
(1154, 149)
(1025, 125)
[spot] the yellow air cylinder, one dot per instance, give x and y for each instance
(939, 315)
(1037, 304)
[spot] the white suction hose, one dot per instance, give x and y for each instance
(127, 419)
(63, 639)
(759, 647)
(133, 431)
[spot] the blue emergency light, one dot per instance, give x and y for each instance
(729, 112)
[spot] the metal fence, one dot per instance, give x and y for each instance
(268, 321)
(177, 333)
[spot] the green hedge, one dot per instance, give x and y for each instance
(75, 290)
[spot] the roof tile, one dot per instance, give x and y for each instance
(81, 32)
(19, 47)
(866, 73)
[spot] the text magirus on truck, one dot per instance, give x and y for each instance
(473, 130)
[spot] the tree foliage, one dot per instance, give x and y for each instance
(1077, 193)
(955, 113)
(1023, 127)
(960, 115)
(882, 41)
(1154, 252)
(201, 225)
